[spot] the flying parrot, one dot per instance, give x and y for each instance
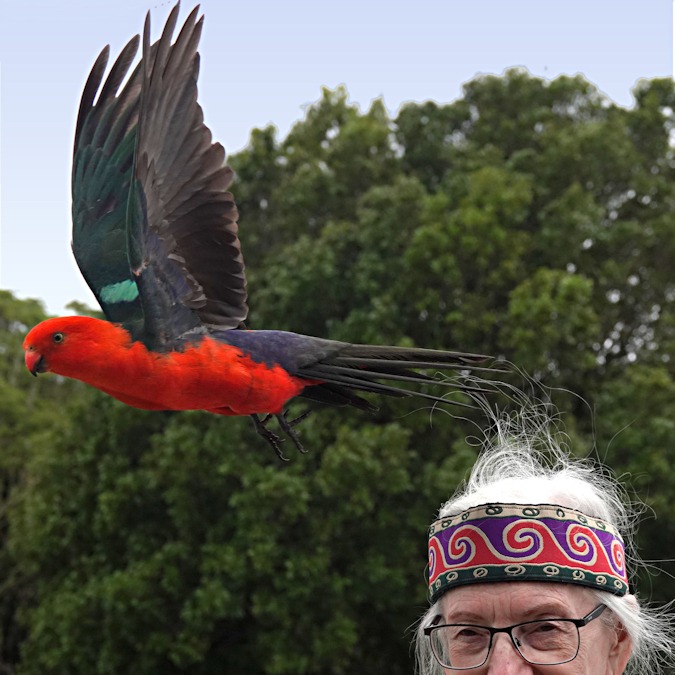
(155, 236)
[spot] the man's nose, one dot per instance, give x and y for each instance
(505, 660)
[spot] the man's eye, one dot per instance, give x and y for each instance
(469, 634)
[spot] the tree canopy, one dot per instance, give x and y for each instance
(528, 219)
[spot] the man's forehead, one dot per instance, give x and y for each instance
(524, 597)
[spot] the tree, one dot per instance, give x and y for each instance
(530, 219)
(27, 412)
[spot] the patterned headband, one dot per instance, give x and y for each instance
(519, 542)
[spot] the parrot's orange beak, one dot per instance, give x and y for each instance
(35, 362)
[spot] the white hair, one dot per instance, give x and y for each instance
(528, 462)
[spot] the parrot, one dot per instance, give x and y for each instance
(155, 236)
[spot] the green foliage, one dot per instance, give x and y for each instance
(636, 427)
(31, 416)
(551, 322)
(528, 219)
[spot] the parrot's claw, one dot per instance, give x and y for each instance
(274, 440)
(286, 426)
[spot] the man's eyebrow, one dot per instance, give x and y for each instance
(553, 610)
(542, 610)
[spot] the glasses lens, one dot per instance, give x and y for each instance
(547, 642)
(460, 646)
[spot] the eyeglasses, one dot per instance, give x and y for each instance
(546, 642)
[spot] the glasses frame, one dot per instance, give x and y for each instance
(579, 623)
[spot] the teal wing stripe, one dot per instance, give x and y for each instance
(122, 291)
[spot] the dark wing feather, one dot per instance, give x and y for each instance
(182, 233)
(101, 177)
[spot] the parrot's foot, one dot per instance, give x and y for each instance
(286, 426)
(274, 440)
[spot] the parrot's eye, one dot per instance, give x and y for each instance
(57, 337)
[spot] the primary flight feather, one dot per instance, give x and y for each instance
(155, 236)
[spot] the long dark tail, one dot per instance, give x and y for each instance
(372, 368)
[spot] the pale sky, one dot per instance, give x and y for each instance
(264, 61)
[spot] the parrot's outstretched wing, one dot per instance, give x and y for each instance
(182, 231)
(105, 136)
(184, 268)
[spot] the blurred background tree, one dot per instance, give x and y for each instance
(528, 219)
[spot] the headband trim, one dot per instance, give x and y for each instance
(525, 542)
